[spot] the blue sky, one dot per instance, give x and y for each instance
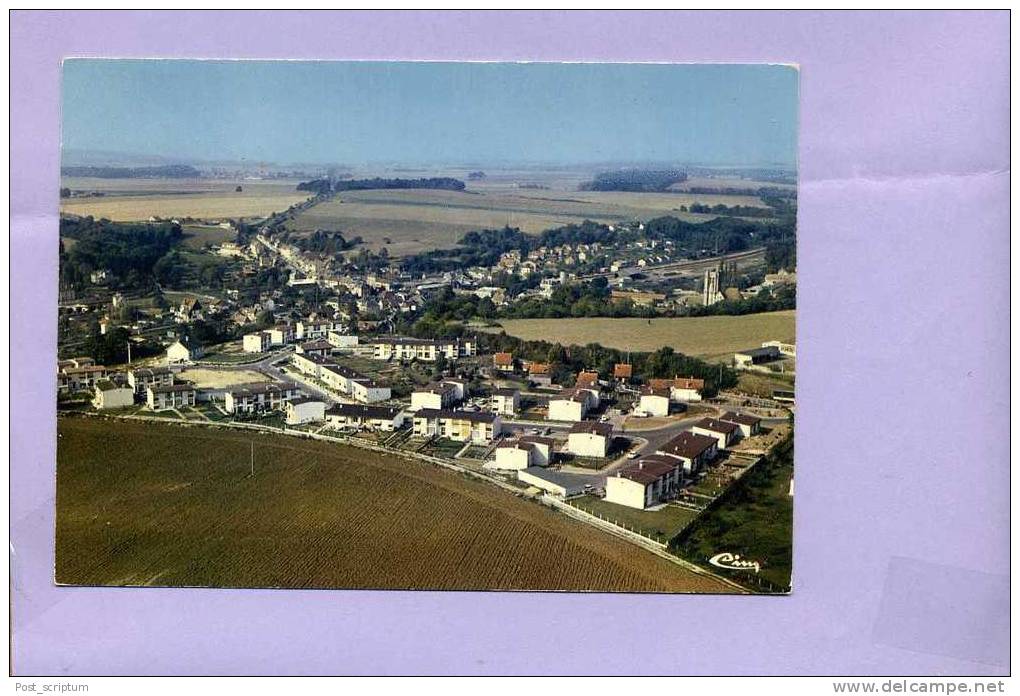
(441, 113)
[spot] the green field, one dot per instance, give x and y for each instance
(660, 525)
(164, 505)
(419, 220)
(202, 236)
(713, 338)
(754, 519)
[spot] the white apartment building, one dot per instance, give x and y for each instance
(165, 397)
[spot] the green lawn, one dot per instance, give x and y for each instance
(661, 524)
(754, 519)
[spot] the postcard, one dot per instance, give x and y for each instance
(427, 325)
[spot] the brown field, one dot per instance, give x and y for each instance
(221, 379)
(177, 507)
(138, 199)
(731, 183)
(716, 337)
(418, 220)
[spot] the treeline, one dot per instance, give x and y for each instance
(775, 300)
(484, 247)
(720, 235)
(323, 241)
(569, 360)
(167, 171)
(639, 180)
(760, 192)
(781, 254)
(448, 322)
(481, 248)
(322, 186)
(111, 348)
(129, 250)
(593, 299)
(732, 210)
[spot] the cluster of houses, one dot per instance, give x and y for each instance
(658, 396)
(656, 478)
(339, 378)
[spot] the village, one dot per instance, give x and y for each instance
(317, 355)
(606, 444)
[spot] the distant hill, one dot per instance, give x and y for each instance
(166, 171)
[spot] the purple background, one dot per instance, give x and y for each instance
(902, 447)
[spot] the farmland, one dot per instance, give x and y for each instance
(713, 337)
(199, 237)
(180, 509)
(419, 220)
(126, 200)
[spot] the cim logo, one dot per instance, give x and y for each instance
(733, 561)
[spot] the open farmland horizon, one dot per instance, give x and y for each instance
(709, 337)
(185, 512)
(133, 200)
(418, 220)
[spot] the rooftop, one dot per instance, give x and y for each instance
(715, 425)
(150, 371)
(360, 411)
(265, 388)
(688, 445)
(603, 429)
(172, 388)
(759, 352)
(646, 471)
(741, 418)
(473, 416)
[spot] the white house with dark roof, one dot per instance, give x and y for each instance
(166, 397)
(304, 410)
(749, 424)
(437, 395)
(319, 347)
(506, 402)
(544, 448)
(362, 417)
(260, 397)
(654, 402)
(513, 455)
(109, 394)
(725, 432)
(368, 391)
(587, 439)
(643, 484)
(692, 450)
(183, 351)
(572, 404)
(142, 378)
